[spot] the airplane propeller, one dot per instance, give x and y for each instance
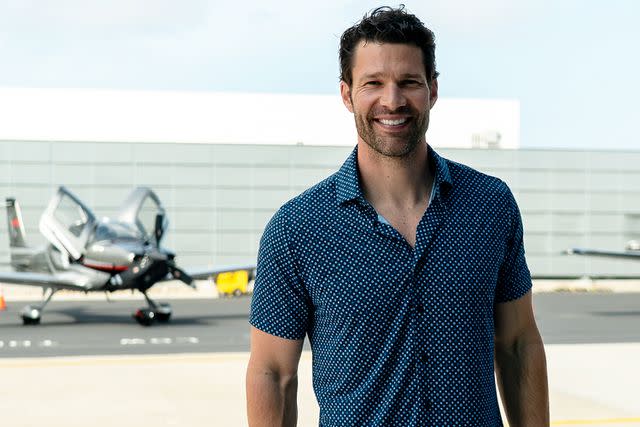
(181, 275)
(160, 225)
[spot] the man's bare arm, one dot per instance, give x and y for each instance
(521, 364)
(272, 380)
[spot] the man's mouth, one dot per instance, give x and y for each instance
(393, 122)
(396, 122)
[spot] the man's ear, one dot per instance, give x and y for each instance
(345, 93)
(433, 92)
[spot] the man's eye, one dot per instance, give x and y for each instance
(412, 83)
(372, 83)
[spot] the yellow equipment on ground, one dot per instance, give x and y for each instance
(233, 283)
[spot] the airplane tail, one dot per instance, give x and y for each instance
(17, 236)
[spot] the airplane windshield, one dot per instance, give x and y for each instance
(147, 215)
(71, 215)
(116, 231)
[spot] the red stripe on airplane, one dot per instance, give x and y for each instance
(15, 223)
(107, 267)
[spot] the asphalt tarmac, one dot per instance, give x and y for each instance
(80, 328)
(588, 318)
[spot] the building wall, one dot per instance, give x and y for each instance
(220, 197)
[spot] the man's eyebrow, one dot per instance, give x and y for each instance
(413, 76)
(402, 76)
(371, 76)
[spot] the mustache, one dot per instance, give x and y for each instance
(405, 109)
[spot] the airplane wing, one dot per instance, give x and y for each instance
(205, 273)
(600, 253)
(64, 280)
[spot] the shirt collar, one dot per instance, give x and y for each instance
(441, 167)
(348, 179)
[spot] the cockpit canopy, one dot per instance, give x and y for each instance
(112, 230)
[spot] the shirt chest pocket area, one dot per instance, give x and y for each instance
(473, 252)
(349, 293)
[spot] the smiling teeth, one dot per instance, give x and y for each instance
(392, 122)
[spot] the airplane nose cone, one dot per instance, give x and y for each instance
(158, 256)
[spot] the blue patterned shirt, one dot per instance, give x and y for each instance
(400, 336)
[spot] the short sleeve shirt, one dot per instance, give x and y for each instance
(400, 335)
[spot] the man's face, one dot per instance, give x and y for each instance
(390, 97)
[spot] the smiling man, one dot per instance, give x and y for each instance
(405, 270)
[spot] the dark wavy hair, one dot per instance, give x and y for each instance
(388, 25)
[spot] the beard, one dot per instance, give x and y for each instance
(400, 145)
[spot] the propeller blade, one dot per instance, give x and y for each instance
(181, 275)
(159, 228)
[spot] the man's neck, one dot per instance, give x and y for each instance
(403, 182)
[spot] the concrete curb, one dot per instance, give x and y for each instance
(587, 284)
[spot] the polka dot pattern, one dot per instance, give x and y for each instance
(400, 336)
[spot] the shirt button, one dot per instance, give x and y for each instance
(420, 308)
(427, 405)
(424, 358)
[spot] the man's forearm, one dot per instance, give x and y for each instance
(271, 399)
(522, 378)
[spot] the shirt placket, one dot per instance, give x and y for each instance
(426, 234)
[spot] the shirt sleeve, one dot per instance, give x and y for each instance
(280, 303)
(514, 278)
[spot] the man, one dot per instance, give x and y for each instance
(405, 270)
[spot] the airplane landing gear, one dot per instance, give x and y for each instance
(32, 314)
(163, 312)
(156, 311)
(144, 316)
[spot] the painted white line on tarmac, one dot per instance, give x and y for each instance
(132, 341)
(187, 340)
(159, 341)
(11, 344)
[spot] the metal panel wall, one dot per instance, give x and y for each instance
(220, 197)
(567, 199)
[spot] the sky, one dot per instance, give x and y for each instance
(572, 64)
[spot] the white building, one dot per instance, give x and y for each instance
(232, 118)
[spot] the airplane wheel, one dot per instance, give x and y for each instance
(163, 312)
(30, 321)
(163, 317)
(30, 315)
(144, 316)
(237, 292)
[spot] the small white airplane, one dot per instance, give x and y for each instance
(632, 251)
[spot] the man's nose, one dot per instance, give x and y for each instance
(393, 97)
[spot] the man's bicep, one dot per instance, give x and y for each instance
(274, 354)
(514, 319)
